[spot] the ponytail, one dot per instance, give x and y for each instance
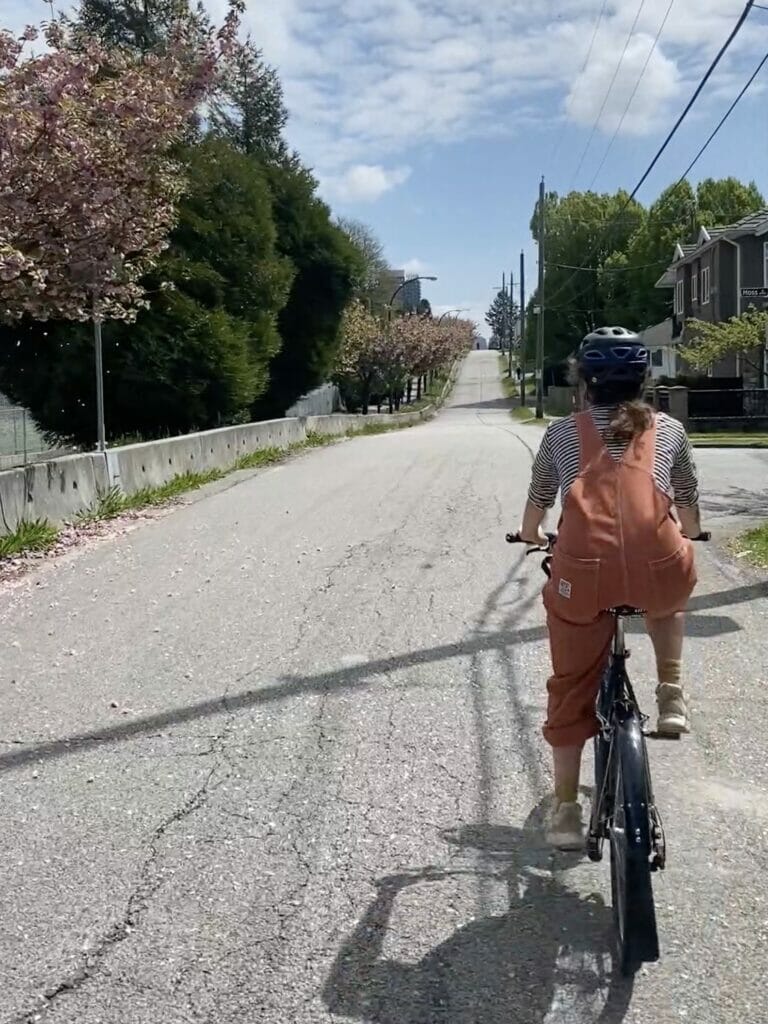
(632, 419)
(633, 415)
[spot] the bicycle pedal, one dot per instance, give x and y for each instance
(654, 734)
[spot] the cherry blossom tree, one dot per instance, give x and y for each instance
(387, 355)
(358, 358)
(88, 183)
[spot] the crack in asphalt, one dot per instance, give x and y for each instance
(149, 883)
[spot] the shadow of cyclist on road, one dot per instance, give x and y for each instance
(543, 960)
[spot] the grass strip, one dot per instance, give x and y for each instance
(29, 535)
(752, 546)
(729, 440)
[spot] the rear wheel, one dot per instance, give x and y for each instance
(603, 796)
(633, 908)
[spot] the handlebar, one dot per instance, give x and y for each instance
(514, 538)
(547, 549)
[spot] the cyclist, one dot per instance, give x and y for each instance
(619, 468)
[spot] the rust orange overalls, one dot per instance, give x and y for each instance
(617, 545)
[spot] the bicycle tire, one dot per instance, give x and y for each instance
(630, 838)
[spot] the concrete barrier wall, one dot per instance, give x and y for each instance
(55, 490)
(61, 488)
(323, 401)
(153, 463)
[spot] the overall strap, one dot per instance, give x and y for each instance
(641, 452)
(591, 444)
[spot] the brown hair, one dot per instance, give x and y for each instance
(632, 418)
(633, 415)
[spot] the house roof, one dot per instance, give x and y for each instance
(667, 279)
(755, 224)
(658, 336)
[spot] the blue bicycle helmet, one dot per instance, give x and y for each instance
(612, 354)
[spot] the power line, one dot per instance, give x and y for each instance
(607, 95)
(610, 270)
(577, 80)
(634, 93)
(723, 119)
(710, 71)
(670, 135)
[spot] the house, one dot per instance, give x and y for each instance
(719, 276)
(662, 349)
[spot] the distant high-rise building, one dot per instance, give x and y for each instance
(410, 296)
(391, 280)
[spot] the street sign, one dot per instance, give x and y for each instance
(754, 293)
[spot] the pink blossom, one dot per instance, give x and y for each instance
(89, 185)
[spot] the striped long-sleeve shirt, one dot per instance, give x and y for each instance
(556, 465)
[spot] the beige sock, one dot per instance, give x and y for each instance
(670, 670)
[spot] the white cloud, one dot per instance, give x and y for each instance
(414, 268)
(366, 81)
(660, 83)
(364, 183)
(473, 309)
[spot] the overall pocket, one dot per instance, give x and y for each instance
(672, 580)
(573, 592)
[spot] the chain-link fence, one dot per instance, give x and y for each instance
(20, 438)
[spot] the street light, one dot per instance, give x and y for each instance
(464, 310)
(396, 292)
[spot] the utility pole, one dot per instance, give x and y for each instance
(503, 311)
(522, 329)
(511, 319)
(540, 309)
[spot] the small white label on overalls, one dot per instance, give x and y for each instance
(564, 589)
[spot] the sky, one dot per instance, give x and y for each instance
(434, 120)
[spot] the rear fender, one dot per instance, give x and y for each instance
(631, 756)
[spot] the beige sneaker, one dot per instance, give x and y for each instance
(565, 829)
(673, 709)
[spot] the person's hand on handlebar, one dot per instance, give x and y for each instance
(539, 539)
(532, 527)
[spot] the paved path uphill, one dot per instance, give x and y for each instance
(276, 758)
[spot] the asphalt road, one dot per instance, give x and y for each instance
(276, 758)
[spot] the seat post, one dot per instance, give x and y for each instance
(619, 646)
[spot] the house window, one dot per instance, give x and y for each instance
(704, 285)
(694, 287)
(765, 264)
(680, 297)
(657, 357)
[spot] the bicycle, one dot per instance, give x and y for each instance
(624, 810)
